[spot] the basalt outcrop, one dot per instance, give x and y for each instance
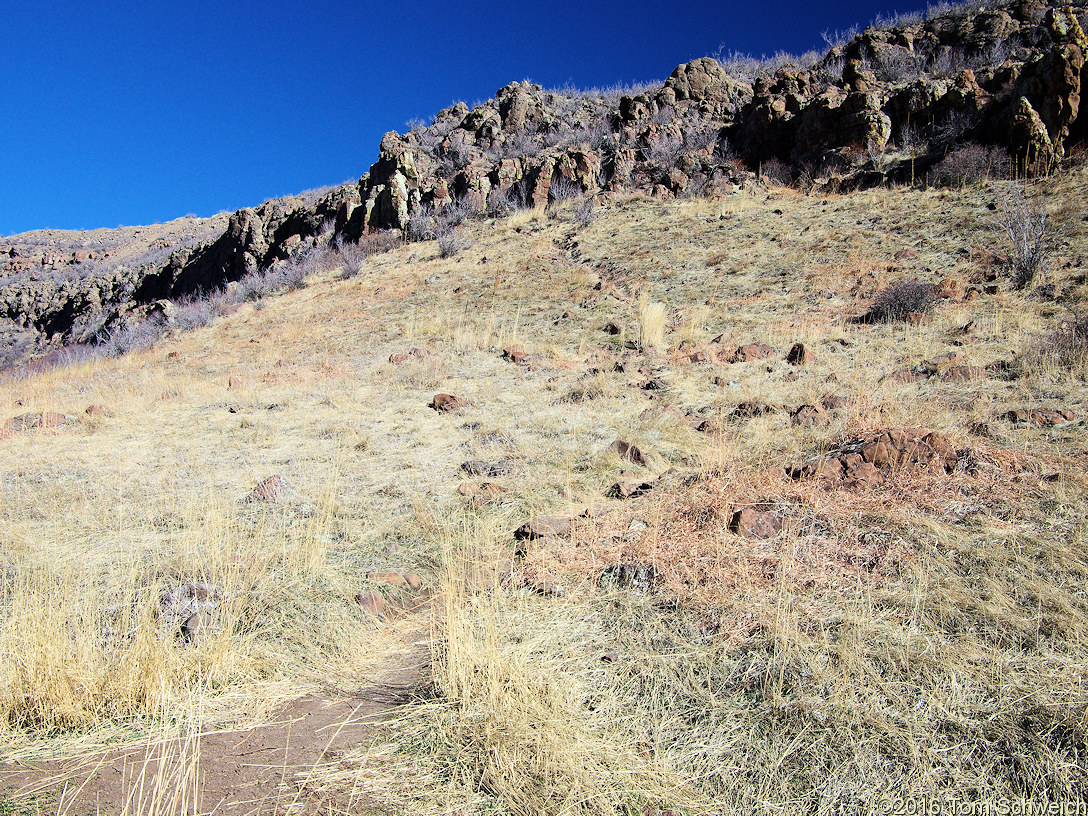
(887, 105)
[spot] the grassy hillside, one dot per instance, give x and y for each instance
(915, 628)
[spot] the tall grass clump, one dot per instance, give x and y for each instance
(652, 321)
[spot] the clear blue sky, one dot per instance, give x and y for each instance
(135, 113)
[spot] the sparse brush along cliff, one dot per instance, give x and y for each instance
(985, 88)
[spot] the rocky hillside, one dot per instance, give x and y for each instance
(990, 88)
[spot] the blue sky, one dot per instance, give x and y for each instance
(136, 113)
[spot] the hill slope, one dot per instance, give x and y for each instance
(816, 585)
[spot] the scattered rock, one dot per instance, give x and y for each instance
(477, 467)
(630, 487)
(752, 522)
(809, 416)
(865, 462)
(372, 602)
(468, 489)
(750, 352)
(628, 452)
(963, 373)
(269, 490)
(447, 403)
(543, 526)
(515, 354)
(235, 381)
(95, 411)
(35, 421)
(1041, 418)
(611, 328)
(799, 355)
(642, 577)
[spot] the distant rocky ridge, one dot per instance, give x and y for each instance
(886, 106)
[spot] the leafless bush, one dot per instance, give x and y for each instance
(563, 189)
(777, 172)
(422, 224)
(1021, 224)
(584, 212)
(899, 66)
(663, 152)
(134, 337)
(1065, 349)
(901, 300)
(971, 162)
(451, 243)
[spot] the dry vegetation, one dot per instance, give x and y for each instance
(923, 637)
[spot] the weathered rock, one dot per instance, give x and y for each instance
(1041, 417)
(270, 490)
(447, 403)
(629, 488)
(867, 462)
(752, 351)
(543, 526)
(35, 421)
(95, 411)
(963, 373)
(799, 355)
(747, 410)
(627, 452)
(753, 522)
(515, 354)
(642, 577)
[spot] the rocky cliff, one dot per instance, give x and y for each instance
(888, 105)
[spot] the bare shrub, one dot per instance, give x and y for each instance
(584, 212)
(422, 224)
(1066, 349)
(563, 189)
(971, 162)
(663, 152)
(1021, 224)
(776, 172)
(451, 243)
(901, 301)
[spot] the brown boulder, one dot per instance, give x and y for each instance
(751, 522)
(447, 403)
(34, 421)
(799, 355)
(269, 490)
(752, 351)
(95, 411)
(515, 354)
(543, 526)
(628, 452)
(949, 288)
(808, 416)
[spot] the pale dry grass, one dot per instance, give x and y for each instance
(911, 639)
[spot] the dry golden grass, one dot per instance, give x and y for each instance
(924, 638)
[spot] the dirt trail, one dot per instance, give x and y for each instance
(257, 771)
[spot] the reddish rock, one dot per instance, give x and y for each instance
(515, 354)
(269, 490)
(413, 580)
(908, 375)
(751, 522)
(627, 452)
(747, 410)
(95, 411)
(799, 355)
(235, 381)
(949, 288)
(447, 403)
(397, 359)
(963, 373)
(491, 490)
(809, 416)
(34, 421)
(372, 602)
(906, 254)
(1041, 418)
(543, 526)
(468, 489)
(752, 351)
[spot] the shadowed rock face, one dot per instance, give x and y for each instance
(1008, 75)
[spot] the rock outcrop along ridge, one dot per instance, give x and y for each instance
(888, 105)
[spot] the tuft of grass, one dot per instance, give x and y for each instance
(902, 300)
(652, 321)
